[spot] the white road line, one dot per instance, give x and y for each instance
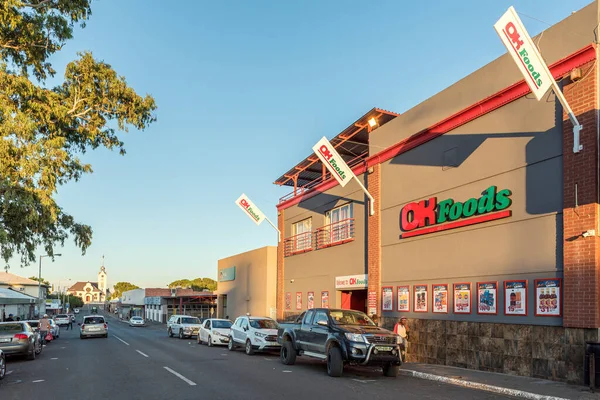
(54, 358)
(363, 380)
(118, 338)
(145, 355)
(285, 370)
(39, 380)
(183, 378)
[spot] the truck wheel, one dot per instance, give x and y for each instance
(288, 353)
(335, 364)
(391, 370)
(249, 349)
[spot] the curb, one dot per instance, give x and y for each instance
(478, 386)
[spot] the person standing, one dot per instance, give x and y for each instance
(70, 325)
(402, 330)
(44, 327)
(10, 318)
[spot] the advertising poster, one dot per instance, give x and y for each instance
(548, 297)
(372, 303)
(487, 298)
(440, 298)
(515, 297)
(403, 298)
(325, 299)
(387, 298)
(462, 298)
(288, 301)
(310, 302)
(298, 300)
(420, 298)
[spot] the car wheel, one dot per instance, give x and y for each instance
(32, 355)
(288, 353)
(181, 334)
(38, 348)
(209, 342)
(170, 332)
(335, 364)
(2, 367)
(106, 336)
(231, 345)
(81, 337)
(198, 339)
(391, 370)
(249, 349)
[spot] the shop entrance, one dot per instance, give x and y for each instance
(354, 300)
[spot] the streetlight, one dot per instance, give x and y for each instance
(62, 292)
(40, 281)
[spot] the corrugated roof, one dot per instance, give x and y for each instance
(9, 296)
(11, 279)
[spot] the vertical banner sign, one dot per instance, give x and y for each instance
(524, 52)
(372, 303)
(333, 161)
(403, 298)
(325, 299)
(548, 297)
(310, 302)
(250, 209)
(487, 298)
(420, 298)
(298, 300)
(462, 298)
(515, 297)
(288, 301)
(387, 298)
(440, 298)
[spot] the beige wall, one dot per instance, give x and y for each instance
(254, 287)
(315, 271)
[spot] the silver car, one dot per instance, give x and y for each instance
(18, 338)
(93, 325)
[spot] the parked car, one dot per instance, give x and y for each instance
(215, 331)
(19, 338)
(340, 337)
(93, 325)
(35, 325)
(61, 319)
(2, 365)
(54, 329)
(254, 333)
(137, 321)
(183, 326)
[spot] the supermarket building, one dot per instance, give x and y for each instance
(485, 231)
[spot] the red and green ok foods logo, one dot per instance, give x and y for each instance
(429, 216)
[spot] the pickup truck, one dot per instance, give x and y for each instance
(339, 337)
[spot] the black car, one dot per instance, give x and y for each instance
(340, 337)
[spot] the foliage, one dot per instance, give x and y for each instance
(197, 284)
(45, 130)
(43, 281)
(74, 301)
(121, 287)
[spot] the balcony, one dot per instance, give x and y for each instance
(337, 233)
(297, 244)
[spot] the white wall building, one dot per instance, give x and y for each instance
(25, 286)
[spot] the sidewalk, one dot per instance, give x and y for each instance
(516, 386)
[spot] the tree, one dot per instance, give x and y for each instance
(43, 282)
(197, 284)
(121, 287)
(44, 130)
(72, 300)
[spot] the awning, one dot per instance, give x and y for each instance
(8, 296)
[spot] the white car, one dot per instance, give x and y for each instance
(62, 319)
(183, 326)
(137, 321)
(254, 333)
(215, 331)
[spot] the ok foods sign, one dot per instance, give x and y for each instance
(250, 209)
(351, 282)
(332, 160)
(520, 46)
(429, 216)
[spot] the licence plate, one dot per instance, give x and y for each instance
(4, 340)
(384, 348)
(94, 329)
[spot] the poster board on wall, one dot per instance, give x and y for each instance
(324, 299)
(439, 293)
(548, 297)
(515, 297)
(387, 298)
(463, 297)
(487, 298)
(420, 292)
(298, 300)
(403, 301)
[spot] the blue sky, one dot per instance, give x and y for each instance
(244, 89)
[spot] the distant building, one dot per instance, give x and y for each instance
(19, 296)
(91, 292)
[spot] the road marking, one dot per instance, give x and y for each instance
(183, 378)
(363, 380)
(39, 380)
(285, 370)
(55, 358)
(118, 338)
(265, 358)
(145, 355)
(8, 372)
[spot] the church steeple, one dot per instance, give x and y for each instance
(102, 278)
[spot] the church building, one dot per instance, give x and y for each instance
(92, 292)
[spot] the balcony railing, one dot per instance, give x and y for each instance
(300, 243)
(336, 233)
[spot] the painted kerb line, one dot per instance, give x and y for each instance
(183, 378)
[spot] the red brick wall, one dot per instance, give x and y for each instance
(581, 299)
(374, 236)
(280, 267)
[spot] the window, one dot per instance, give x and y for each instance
(263, 324)
(339, 223)
(207, 325)
(308, 317)
(302, 235)
(321, 316)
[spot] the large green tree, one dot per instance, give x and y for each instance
(44, 130)
(196, 284)
(121, 287)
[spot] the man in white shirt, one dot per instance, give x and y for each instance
(401, 329)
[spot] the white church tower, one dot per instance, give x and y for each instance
(102, 280)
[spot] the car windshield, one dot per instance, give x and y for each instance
(348, 317)
(222, 324)
(33, 324)
(93, 320)
(10, 328)
(190, 320)
(62, 316)
(137, 318)
(263, 324)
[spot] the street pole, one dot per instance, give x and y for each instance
(40, 282)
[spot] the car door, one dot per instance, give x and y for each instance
(244, 332)
(205, 331)
(303, 334)
(236, 329)
(319, 333)
(177, 325)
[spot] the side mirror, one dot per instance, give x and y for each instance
(322, 323)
